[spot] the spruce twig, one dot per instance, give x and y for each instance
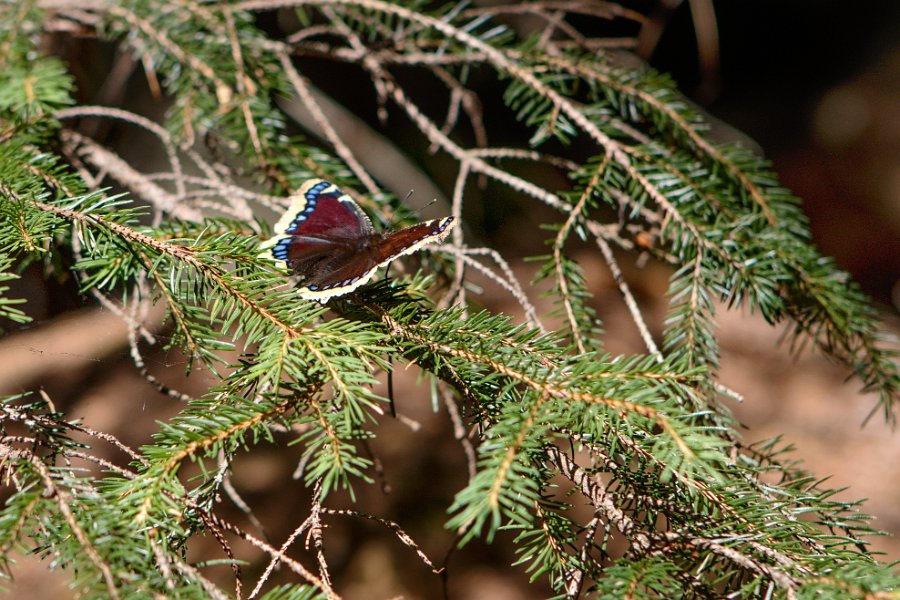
(546, 420)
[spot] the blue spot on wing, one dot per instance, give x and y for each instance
(315, 190)
(280, 250)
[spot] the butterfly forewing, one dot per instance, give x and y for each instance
(410, 239)
(326, 212)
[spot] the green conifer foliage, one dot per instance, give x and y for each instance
(679, 507)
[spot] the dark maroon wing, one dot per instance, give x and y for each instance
(350, 268)
(411, 239)
(329, 242)
(322, 220)
(341, 272)
(321, 209)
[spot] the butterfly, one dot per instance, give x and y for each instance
(326, 239)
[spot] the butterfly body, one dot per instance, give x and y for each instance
(329, 242)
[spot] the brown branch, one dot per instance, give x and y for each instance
(64, 502)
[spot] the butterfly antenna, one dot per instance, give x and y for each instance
(418, 212)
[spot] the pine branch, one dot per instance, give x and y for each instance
(550, 421)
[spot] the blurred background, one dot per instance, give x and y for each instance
(815, 85)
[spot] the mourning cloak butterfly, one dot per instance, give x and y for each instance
(326, 239)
